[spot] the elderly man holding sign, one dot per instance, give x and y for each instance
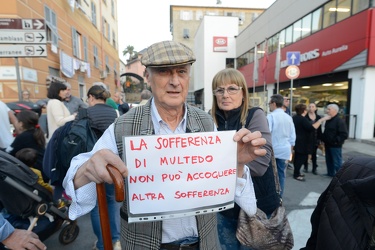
(168, 66)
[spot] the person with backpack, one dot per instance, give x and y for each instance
(101, 116)
(230, 111)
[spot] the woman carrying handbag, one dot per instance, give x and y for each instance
(230, 112)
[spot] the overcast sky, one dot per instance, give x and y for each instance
(144, 22)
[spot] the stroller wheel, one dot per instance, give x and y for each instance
(69, 233)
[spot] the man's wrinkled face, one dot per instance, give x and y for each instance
(170, 85)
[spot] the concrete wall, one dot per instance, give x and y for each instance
(209, 62)
(362, 103)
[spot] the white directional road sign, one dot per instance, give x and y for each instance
(23, 36)
(23, 50)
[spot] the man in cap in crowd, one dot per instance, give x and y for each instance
(168, 66)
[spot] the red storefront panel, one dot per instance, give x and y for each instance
(323, 51)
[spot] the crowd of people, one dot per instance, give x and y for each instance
(259, 138)
(29, 140)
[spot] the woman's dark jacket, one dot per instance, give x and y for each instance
(303, 131)
(265, 190)
(316, 135)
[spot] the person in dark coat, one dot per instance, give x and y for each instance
(303, 130)
(344, 217)
(315, 137)
(334, 136)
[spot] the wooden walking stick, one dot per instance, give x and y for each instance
(118, 181)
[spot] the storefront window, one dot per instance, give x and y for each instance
(329, 17)
(359, 5)
(306, 26)
(321, 95)
(288, 35)
(343, 9)
(297, 28)
(316, 23)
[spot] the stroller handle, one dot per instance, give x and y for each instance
(118, 181)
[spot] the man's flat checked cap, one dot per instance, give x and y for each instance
(166, 54)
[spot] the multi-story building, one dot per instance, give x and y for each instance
(335, 42)
(185, 21)
(81, 46)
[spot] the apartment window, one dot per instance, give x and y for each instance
(107, 67)
(76, 39)
(198, 15)
(114, 39)
(50, 19)
(96, 57)
(343, 9)
(104, 27)
(186, 34)
(115, 70)
(53, 72)
(85, 49)
(186, 15)
(109, 32)
(316, 23)
(282, 39)
(81, 87)
(93, 13)
(113, 8)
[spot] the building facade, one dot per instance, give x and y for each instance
(186, 20)
(81, 47)
(335, 42)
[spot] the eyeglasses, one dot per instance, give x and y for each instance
(230, 90)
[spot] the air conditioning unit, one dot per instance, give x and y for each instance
(103, 74)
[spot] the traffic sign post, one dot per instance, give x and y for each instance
(292, 72)
(22, 38)
(293, 57)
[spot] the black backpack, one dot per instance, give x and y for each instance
(73, 138)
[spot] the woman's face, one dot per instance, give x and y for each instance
(63, 93)
(312, 107)
(229, 100)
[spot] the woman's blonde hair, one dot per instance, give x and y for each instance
(232, 76)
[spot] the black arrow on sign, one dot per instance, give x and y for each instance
(41, 37)
(41, 49)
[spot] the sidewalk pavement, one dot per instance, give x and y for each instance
(354, 147)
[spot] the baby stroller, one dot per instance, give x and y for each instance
(24, 200)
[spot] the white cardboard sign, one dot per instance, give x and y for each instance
(179, 175)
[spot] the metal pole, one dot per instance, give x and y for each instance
(18, 79)
(291, 97)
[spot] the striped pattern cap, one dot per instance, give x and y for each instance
(166, 54)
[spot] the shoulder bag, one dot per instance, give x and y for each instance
(259, 232)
